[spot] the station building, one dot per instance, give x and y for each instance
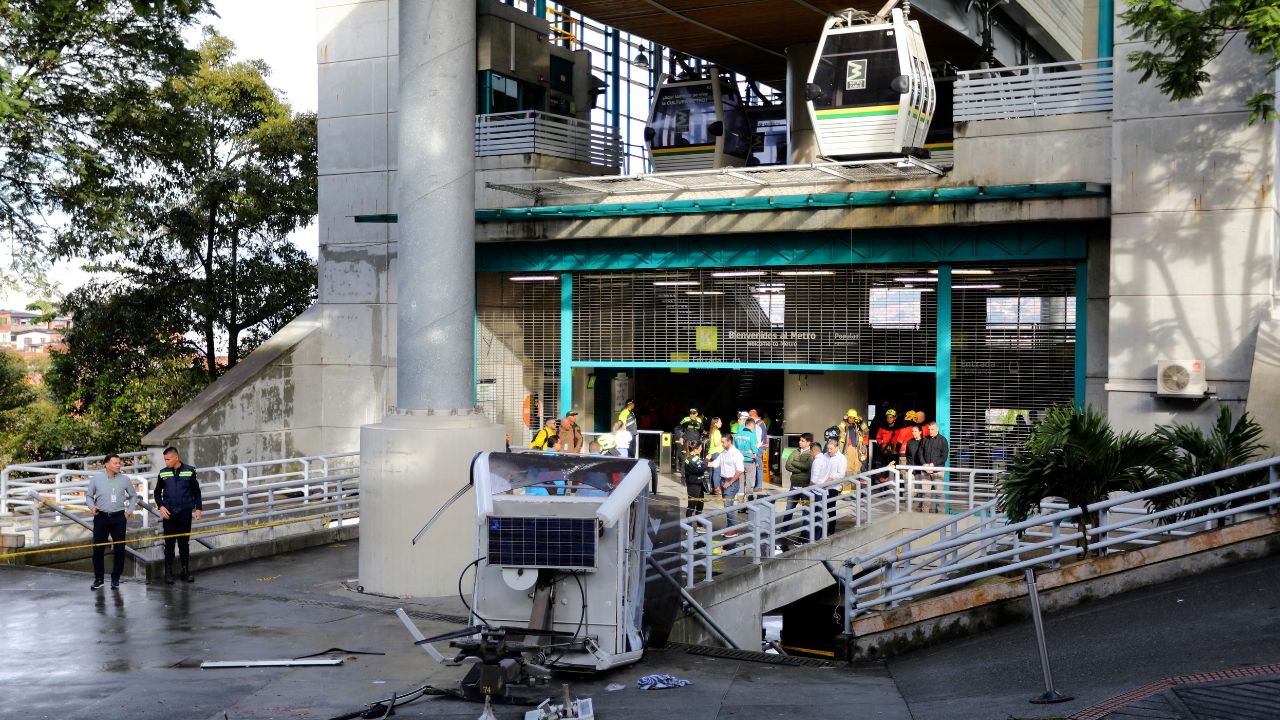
(1073, 237)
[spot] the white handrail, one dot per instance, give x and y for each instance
(1033, 90)
(994, 547)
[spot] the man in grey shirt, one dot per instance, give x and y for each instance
(111, 498)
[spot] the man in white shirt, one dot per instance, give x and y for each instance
(829, 467)
(622, 439)
(732, 467)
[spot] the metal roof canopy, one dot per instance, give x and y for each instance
(765, 176)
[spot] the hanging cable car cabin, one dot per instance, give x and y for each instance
(870, 91)
(698, 124)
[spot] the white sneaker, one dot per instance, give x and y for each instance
(699, 530)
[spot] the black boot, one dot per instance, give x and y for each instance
(168, 572)
(186, 574)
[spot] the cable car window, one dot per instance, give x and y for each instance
(683, 116)
(737, 135)
(858, 69)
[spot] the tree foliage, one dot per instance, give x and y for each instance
(1183, 40)
(1230, 442)
(1075, 454)
(222, 171)
(69, 72)
(14, 391)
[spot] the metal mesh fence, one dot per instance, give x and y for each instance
(518, 352)
(1013, 354)
(841, 315)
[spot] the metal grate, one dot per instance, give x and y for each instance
(1013, 355)
(518, 352)
(542, 542)
(878, 169)
(831, 315)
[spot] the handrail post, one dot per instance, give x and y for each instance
(1050, 695)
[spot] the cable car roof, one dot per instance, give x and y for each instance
(751, 36)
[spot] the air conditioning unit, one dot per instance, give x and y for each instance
(1180, 379)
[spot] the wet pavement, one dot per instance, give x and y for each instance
(135, 653)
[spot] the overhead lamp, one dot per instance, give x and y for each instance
(703, 292)
(805, 273)
(641, 61)
(916, 279)
(966, 271)
(532, 278)
(663, 283)
(771, 285)
(975, 287)
(737, 273)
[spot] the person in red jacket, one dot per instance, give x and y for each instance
(885, 452)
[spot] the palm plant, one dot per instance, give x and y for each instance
(1075, 454)
(1229, 443)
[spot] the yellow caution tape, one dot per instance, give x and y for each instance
(150, 538)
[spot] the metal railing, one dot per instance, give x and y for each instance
(980, 543)
(531, 131)
(46, 504)
(753, 528)
(1033, 90)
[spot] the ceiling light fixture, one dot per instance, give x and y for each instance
(738, 273)
(664, 283)
(533, 278)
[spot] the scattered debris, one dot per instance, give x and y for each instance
(614, 687)
(269, 663)
(580, 709)
(338, 651)
(660, 682)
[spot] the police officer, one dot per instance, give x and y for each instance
(178, 497)
(689, 429)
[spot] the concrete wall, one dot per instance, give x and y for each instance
(813, 403)
(1192, 258)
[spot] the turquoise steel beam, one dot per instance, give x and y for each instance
(942, 381)
(566, 343)
(810, 201)
(1082, 332)
(794, 251)
(1106, 29)
(729, 365)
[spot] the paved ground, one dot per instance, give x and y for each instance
(72, 653)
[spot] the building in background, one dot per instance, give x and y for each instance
(1075, 237)
(25, 332)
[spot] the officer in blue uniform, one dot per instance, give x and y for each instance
(178, 497)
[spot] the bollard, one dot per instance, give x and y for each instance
(1050, 695)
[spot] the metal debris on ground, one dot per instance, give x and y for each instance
(567, 709)
(269, 663)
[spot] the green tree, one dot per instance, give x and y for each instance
(223, 171)
(1184, 40)
(1231, 442)
(14, 391)
(68, 71)
(1075, 454)
(127, 366)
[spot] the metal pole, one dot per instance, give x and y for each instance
(435, 320)
(693, 604)
(1050, 695)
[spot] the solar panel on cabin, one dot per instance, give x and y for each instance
(542, 542)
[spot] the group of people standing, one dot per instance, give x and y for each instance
(565, 435)
(730, 465)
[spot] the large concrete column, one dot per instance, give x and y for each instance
(802, 143)
(420, 454)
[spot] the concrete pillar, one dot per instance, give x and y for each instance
(802, 143)
(420, 453)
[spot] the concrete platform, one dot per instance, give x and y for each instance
(72, 653)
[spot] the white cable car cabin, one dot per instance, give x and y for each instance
(870, 90)
(698, 124)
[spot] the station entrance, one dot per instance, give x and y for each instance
(982, 349)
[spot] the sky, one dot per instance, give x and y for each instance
(281, 32)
